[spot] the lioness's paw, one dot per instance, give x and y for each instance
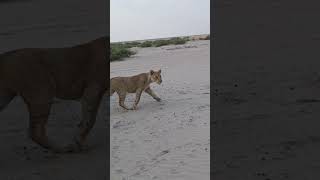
(75, 148)
(72, 148)
(158, 99)
(54, 147)
(58, 150)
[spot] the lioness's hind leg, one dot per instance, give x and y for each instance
(138, 96)
(111, 91)
(122, 98)
(152, 94)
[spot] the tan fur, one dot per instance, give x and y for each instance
(135, 84)
(39, 75)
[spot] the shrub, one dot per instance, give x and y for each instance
(119, 52)
(178, 40)
(122, 50)
(131, 44)
(159, 43)
(146, 44)
(174, 41)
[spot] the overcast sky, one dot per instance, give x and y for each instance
(147, 19)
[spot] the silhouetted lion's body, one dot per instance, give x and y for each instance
(39, 75)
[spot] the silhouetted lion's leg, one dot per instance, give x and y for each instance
(39, 113)
(89, 106)
(5, 98)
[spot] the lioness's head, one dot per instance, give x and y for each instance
(155, 76)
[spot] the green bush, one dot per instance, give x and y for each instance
(159, 43)
(131, 44)
(146, 44)
(174, 41)
(122, 50)
(177, 41)
(119, 52)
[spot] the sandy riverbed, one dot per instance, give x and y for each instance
(167, 139)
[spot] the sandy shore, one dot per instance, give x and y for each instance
(167, 139)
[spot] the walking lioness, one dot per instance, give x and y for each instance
(39, 75)
(135, 84)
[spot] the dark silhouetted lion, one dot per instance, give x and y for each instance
(39, 75)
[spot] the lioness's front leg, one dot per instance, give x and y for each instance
(138, 95)
(89, 106)
(152, 94)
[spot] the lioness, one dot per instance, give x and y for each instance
(135, 84)
(39, 75)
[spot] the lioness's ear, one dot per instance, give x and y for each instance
(159, 71)
(151, 72)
